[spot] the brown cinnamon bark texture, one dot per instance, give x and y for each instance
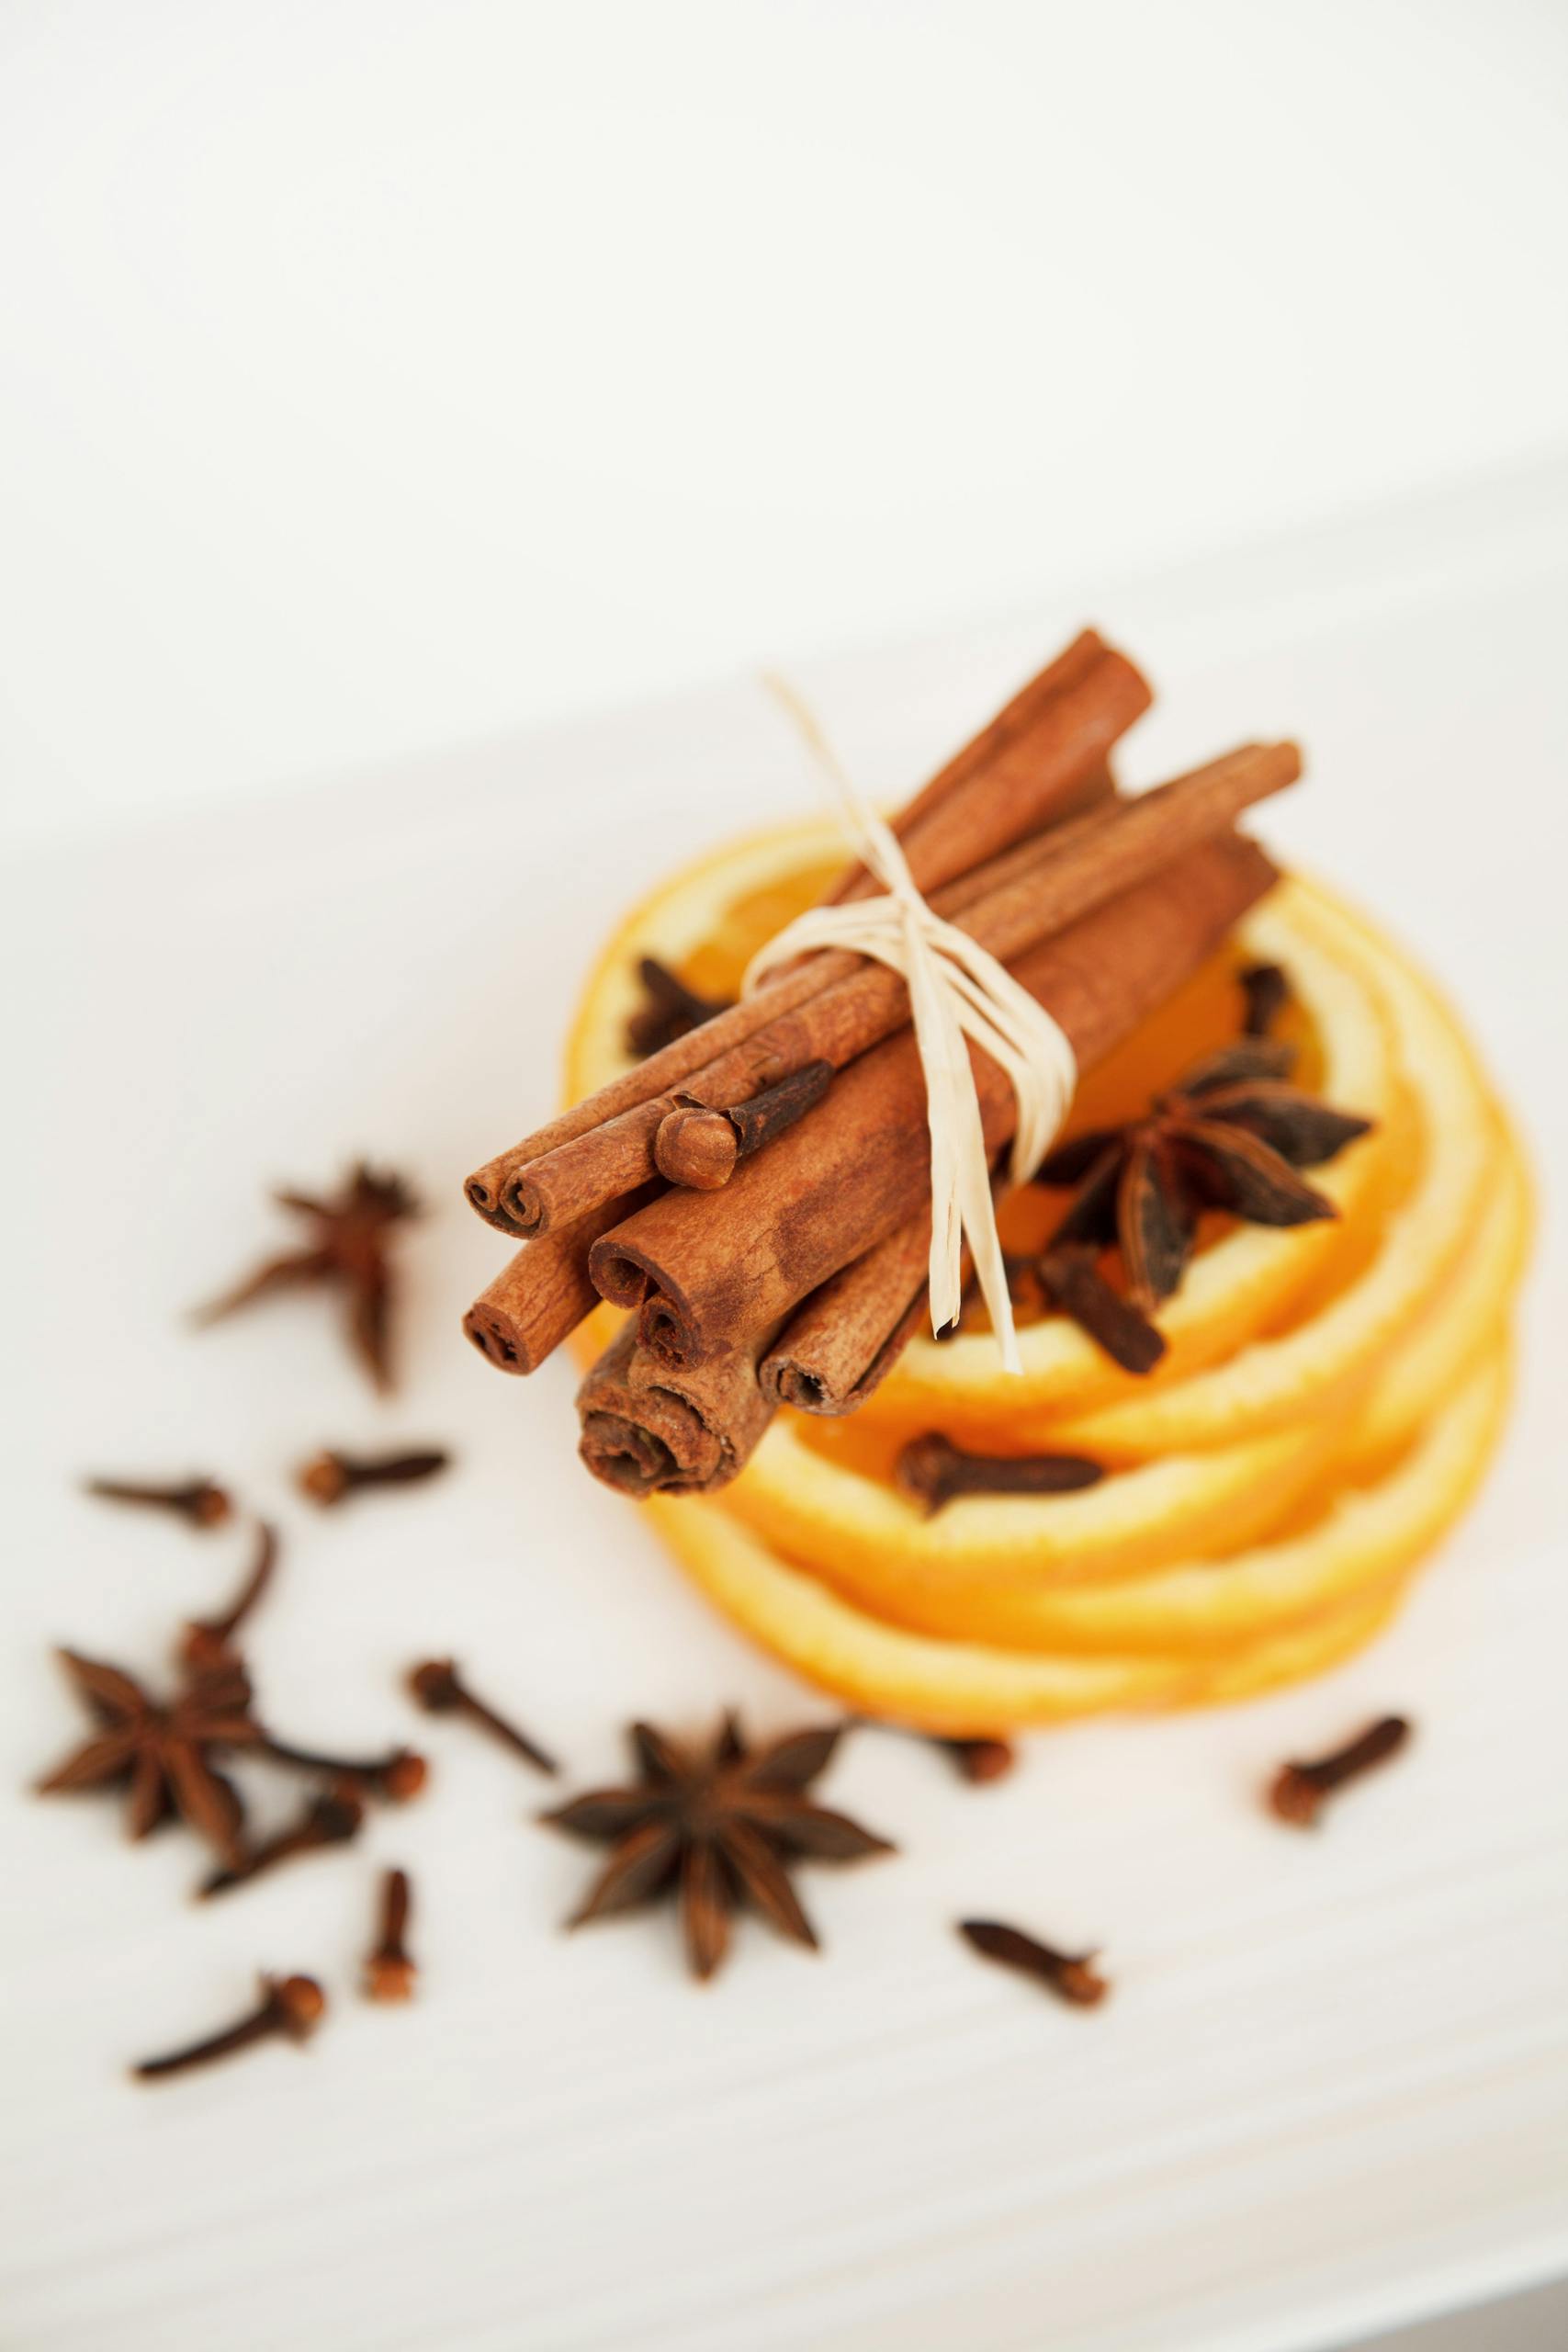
(648, 1429)
(848, 1335)
(1041, 756)
(1024, 896)
(708, 1269)
(1032, 766)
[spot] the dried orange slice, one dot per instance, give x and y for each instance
(975, 1687)
(1274, 1380)
(1011, 1568)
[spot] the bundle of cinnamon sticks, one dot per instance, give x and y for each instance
(757, 1192)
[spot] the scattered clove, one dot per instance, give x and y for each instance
(199, 1501)
(331, 1818)
(670, 1009)
(440, 1691)
(390, 1973)
(933, 1471)
(1297, 1791)
(397, 1776)
(1066, 1973)
(291, 2006)
(329, 1476)
(208, 1641)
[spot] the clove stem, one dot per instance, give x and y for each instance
(330, 1818)
(934, 1471)
(207, 1641)
(1069, 1974)
(291, 2006)
(330, 1475)
(439, 1688)
(1298, 1791)
(198, 1500)
(390, 1972)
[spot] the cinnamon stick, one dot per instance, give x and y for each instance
(708, 1268)
(1027, 769)
(542, 1294)
(850, 1333)
(648, 1430)
(995, 741)
(1060, 754)
(1030, 893)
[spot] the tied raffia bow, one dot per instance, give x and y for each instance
(957, 990)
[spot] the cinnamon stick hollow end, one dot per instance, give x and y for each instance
(840, 1344)
(626, 1455)
(646, 1429)
(543, 1293)
(484, 1192)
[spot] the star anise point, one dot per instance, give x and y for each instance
(1232, 1135)
(721, 1826)
(347, 1251)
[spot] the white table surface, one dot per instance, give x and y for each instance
(378, 375)
(1331, 2094)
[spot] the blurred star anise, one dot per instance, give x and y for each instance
(162, 1754)
(717, 1827)
(669, 1008)
(347, 1251)
(1230, 1135)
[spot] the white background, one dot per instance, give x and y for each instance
(382, 375)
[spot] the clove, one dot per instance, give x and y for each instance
(1070, 1975)
(390, 1973)
(397, 1776)
(291, 2006)
(933, 1471)
(1297, 1791)
(440, 1691)
(1266, 991)
(699, 1147)
(329, 1476)
(208, 1641)
(331, 1818)
(979, 1761)
(199, 1501)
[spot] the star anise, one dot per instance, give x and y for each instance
(718, 1827)
(347, 1251)
(162, 1754)
(1230, 1135)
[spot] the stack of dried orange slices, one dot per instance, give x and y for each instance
(1327, 1400)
